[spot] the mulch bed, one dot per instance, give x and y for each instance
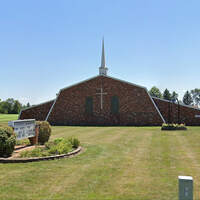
(15, 156)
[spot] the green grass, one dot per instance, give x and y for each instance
(5, 118)
(118, 163)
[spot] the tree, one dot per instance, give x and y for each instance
(196, 96)
(17, 107)
(167, 95)
(10, 106)
(28, 105)
(187, 98)
(10, 102)
(155, 92)
(5, 107)
(174, 95)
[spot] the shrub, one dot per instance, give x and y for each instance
(44, 131)
(173, 127)
(75, 142)
(56, 147)
(23, 142)
(7, 141)
(59, 146)
(64, 147)
(36, 152)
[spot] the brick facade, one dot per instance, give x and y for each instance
(135, 105)
(38, 112)
(187, 113)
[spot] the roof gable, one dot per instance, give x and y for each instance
(109, 77)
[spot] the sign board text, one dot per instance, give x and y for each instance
(23, 128)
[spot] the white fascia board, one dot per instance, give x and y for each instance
(176, 103)
(33, 107)
(132, 84)
(156, 107)
(65, 89)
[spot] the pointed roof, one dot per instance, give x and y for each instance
(103, 62)
(103, 69)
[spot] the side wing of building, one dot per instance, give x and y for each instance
(38, 112)
(170, 111)
(123, 104)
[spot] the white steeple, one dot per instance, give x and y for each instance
(103, 69)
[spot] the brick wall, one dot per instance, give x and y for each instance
(187, 114)
(135, 105)
(38, 112)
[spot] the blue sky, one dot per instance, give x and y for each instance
(48, 45)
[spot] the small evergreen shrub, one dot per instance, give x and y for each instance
(75, 142)
(7, 141)
(173, 127)
(44, 131)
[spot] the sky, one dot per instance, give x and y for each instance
(48, 45)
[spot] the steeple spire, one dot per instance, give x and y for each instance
(103, 69)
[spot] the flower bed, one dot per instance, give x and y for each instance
(26, 160)
(170, 127)
(57, 147)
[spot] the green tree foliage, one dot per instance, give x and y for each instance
(7, 141)
(16, 107)
(187, 98)
(155, 92)
(5, 107)
(196, 96)
(174, 96)
(10, 106)
(167, 95)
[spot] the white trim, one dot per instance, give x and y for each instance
(133, 84)
(156, 106)
(176, 103)
(78, 83)
(65, 89)
(32, 107)
(110, 78)
(145, 90)
(46, 119)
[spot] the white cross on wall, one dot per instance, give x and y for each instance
(101, 94)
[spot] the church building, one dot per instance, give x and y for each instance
(107, 101)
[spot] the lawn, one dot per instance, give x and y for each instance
(118, 163)
(4, 118)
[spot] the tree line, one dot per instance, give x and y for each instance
(11, 106)
(191, 97)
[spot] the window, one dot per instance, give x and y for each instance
(89, 105)
(114, 105)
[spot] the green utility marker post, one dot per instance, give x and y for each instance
(185, 187)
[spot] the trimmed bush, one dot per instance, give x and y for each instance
(44, 131)
(7, 141)
(75, 142)
(173, 127)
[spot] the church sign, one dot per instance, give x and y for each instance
(23, 128)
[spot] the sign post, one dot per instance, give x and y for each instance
(25, 129)
(185, 188)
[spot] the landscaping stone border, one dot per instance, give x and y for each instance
(26, 160)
